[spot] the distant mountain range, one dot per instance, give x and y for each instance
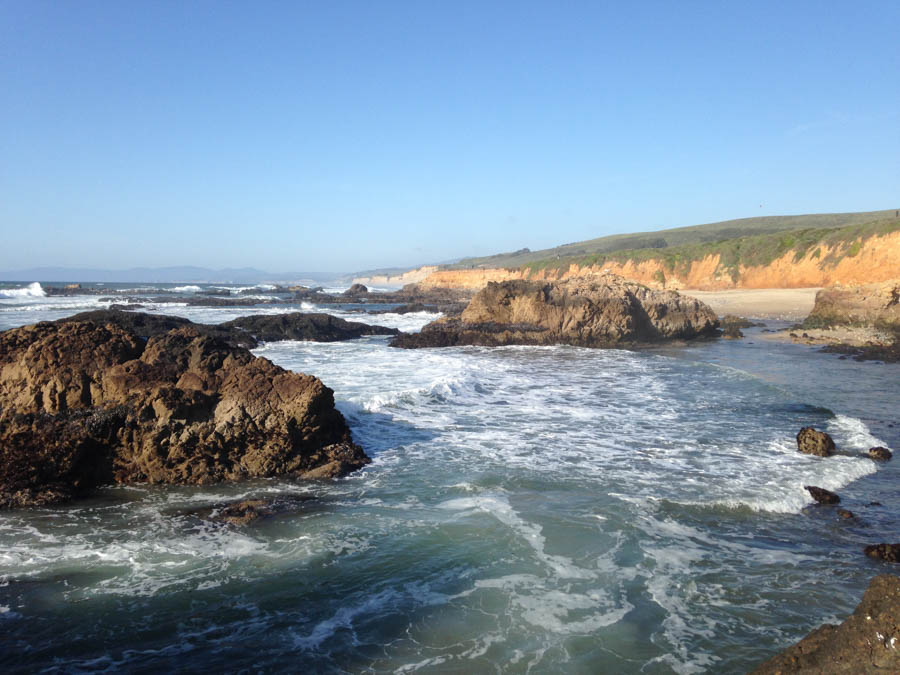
(243, 275)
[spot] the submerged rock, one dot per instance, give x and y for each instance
(880, 454)
(867, 642)
(845, 514)
(83, 404)
(812, 442)
(886, 552)
(591, 312)
(821, 495)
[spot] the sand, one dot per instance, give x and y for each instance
(788, 304)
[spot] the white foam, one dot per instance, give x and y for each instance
(186, 289)
(32, 290)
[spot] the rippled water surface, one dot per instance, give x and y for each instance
(528, 510)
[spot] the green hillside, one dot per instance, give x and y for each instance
(755, 250)
(693, 236)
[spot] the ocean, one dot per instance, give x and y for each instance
(528, 509)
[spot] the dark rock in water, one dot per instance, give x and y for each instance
(886, 552)
(83, 404)
(867, 642)
(812, 442)
(300, 326)
(591, 312)
(874, 504)
(115, 307)
(822, 495)
(732, 333)
(357, 289)
(844, 513)
(246, 331)
(245, 512)
(881, 454)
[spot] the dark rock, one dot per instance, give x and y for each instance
(874, 504)
(812, 442)
(844, 513)
(865, 643)
(83, 404)
(886, 552)
(881, 454)
(822, 495)
(596, 312)
(732, 333)
(300, 326)
(356, 290)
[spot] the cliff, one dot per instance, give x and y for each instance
(409, 277)
(825, 262)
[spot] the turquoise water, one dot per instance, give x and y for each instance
(527, 510)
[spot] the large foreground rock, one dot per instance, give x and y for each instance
(867, 642)
(591, 312)
(83, 404)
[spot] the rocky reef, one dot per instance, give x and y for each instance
(246, 331)
(867, 642)
(83, 404)
(605, 311)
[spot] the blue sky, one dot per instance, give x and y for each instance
(339, 136)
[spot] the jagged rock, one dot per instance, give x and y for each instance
(867, 642)
(881, 454)
(732, 333)
(739, 322)
(886, 552)
(604, 311)
(83, 404)
(245, 512)
(821, 495)
(812, 442)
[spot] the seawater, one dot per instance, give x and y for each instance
(528, 509)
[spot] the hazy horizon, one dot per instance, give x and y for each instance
(351, 137)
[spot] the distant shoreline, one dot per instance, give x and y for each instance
(788, 304)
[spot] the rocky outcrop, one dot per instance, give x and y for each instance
(299, 326)
(84, 404)
(821, 495)
(246, 331)
(867, 642)
(812, 442)
(603, 312)
(868, 305)
(356, 290)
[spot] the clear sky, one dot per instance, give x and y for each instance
(340, 136)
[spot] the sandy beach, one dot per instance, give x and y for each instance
(789, 304)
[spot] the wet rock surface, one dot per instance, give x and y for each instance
(821, 495)
(881, 454)
(886, 552)
(867, 642)
(812, 442)
(591, 312)
(83, 404)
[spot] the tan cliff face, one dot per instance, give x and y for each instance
(878, 260)
(410, 277)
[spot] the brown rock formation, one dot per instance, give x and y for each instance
(82, 404)
(867, 305)
(602, 312)
(886, 552)
(867, 642)
(812, 442)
